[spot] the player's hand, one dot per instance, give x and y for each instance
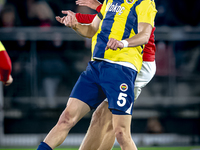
(10, 80)
(93, 4)
(69, 13)
(114, 44)
(69, 20)
(61, 20)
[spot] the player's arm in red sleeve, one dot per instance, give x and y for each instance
(85, 18)
(5, 68)
(99, 8)
(88, 18)
(93, 4)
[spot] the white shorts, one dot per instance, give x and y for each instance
(145, 75)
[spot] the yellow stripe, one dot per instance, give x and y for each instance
(103, 8)
(120, 22)
(129, 54)
(115, 32)
(2, 48)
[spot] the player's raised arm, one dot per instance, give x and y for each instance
(88, 18)
(93, 4)
(85, 30)
(75, 18)
(85, 18)
(88, 30)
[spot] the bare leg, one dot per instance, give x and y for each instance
(108, 139)
(121, 126)
(100, 135)
(74, 111)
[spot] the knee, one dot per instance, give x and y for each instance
(66, 120)
(121, 135)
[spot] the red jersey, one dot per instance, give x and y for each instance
(5, 64)
(149, 49)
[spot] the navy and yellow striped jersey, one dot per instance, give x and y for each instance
(120, 20)
(2, 48)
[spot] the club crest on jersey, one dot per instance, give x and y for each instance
(123, 87)
(129, 1)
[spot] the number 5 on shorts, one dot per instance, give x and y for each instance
(121, 97)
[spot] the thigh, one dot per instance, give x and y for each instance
(76, 109)
(87, 88)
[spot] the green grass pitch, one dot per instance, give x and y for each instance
(140, 148)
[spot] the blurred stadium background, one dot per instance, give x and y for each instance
(47, 59)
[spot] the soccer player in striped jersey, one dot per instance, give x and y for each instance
(119, 33)
(101, 123)
(5, 66)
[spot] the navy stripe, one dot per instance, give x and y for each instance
(132, 22)
(102, 37)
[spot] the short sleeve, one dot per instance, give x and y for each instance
(146, 12)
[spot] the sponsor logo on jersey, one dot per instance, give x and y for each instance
(123, 87)
(115, 8)
(129, 1)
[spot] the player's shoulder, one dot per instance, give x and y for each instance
(148, 3)
(149, 0)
